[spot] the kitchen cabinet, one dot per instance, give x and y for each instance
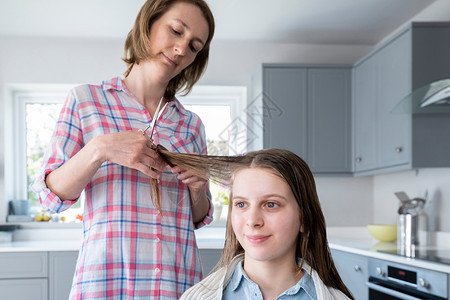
(24, 289)
(37, 275)
(307, 109)
(384, 141)
(61, 269)
(24, 275)
(353, 270)
(209, 258)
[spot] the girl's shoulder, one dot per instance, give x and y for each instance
(212, 286)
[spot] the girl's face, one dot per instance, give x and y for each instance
(265, 215)
(176, 38)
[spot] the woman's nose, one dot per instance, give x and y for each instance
(180, 48)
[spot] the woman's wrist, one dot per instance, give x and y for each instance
(97, 148)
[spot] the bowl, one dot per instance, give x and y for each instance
(383, 232)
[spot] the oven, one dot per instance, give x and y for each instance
(392, 281)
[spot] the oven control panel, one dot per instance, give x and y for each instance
(424, 280)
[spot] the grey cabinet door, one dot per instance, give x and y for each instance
(365, 118)
(394, 83)
(210, 258)
(353, 270)
(23, 265)
(24, 289)
(62, 267)
(329, 120)
(285, 110)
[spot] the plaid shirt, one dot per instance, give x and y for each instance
(129, 251)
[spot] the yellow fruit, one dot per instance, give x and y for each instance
(38, 218)
(46, 218)
(63, 219)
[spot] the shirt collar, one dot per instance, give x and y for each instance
(306, 282)
(238, 276)
(117, 84)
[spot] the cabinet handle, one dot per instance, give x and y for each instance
(398, 149)
(359, 159)
(357, 268)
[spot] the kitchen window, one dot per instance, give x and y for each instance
(34, 112)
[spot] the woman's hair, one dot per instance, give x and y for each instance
(312, 244)
(136, 44)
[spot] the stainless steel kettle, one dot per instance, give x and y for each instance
(409, 216)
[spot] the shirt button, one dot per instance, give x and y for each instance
(157, 240)
(157, 270)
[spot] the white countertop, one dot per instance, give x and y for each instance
(34, 246)
(371, 248)
(207, 238)
(355, 240)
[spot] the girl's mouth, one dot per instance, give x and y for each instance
(257, 239)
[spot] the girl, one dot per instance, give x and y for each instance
(276, 242)
(135, 245)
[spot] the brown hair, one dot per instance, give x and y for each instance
(312, 244)
(136, 44)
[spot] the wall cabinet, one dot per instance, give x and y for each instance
(384, 141)
(36, 275)
(339, 119)
(353, 270)
(307, 109)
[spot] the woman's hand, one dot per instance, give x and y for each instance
(193, 182)
(132, 149)
(197, 189)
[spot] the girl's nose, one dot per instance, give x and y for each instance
(254, 218)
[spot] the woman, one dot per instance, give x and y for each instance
(135, 246)
(276, 243)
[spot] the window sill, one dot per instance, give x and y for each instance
(208, 237)
(47, 225)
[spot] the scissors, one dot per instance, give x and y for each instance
(155, 118)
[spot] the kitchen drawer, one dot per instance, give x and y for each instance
(353, 270)
(23, 264)
(24, 289)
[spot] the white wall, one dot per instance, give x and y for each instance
(415, 183)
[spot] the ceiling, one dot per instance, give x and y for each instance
(363, 22)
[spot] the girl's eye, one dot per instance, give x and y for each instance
(240, 204)
(271, 204)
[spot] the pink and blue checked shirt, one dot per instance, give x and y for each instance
(129, 250)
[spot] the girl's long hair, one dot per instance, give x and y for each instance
(312, 243)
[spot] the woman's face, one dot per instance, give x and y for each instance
(176, 38)
(265, 215)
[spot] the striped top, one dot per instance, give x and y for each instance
(129, 250)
